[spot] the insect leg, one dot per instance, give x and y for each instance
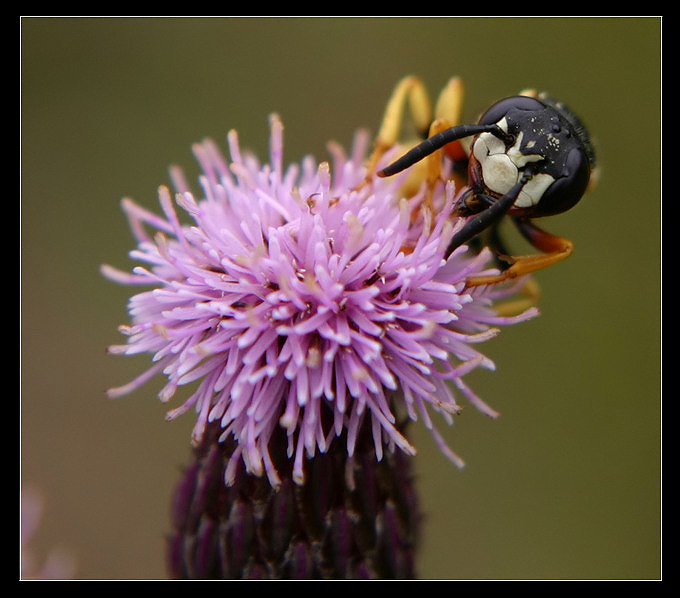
(411, 92)
(555, 249)
(476, 224)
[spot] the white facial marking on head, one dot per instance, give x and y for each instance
(501, 167)
(518, 158)
(533, 191)
(498, 170)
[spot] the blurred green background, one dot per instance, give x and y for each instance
(565, 485)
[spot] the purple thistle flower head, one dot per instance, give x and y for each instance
(302, 298)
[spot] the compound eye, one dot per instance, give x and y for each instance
(567, 190)
(502, 107)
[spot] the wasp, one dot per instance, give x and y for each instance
(529, 156)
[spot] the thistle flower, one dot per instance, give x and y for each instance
(303, 299)
(314, 313)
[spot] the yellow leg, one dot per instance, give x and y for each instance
(409, 91)
(446, 115)
(528, 297)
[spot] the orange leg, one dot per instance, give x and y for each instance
(555, 250)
